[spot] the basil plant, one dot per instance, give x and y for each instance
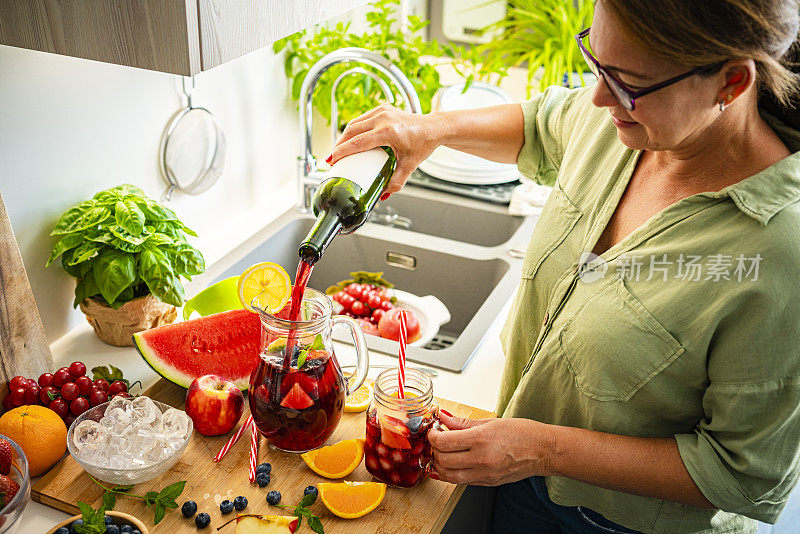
(122, 245)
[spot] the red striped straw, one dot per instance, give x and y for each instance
(401, 370)
(234, 438)
(253, 454)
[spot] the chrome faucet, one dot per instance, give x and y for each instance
(308, 176)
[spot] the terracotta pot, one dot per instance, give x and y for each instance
(116, 327)
(119, 518)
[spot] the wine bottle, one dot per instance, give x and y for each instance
(343, 201)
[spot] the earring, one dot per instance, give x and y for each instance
(722, 103)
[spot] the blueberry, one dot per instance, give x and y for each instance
(262, 479)
(273, 497)
(414, 423)
(311, 490)
(240, 503)
(109, 520)
(125, 529)
(265, 468)
(112, 529)
(189, 508)
(62, 530)
(226, 506)
(202, 520)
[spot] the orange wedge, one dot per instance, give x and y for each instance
(351, 499)
(359, 400)
(337, 460)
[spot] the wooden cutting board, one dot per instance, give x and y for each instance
(23, 345)
(424, 508)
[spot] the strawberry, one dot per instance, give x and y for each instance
(5, 457)
(8, 488)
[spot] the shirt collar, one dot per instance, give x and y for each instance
(766, 193)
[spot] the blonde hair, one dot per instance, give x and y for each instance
(703, 32)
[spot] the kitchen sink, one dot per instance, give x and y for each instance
(474, 281)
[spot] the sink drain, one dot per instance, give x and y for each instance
(441, 342)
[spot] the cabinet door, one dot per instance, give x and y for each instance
(150, 34)
(229, 29)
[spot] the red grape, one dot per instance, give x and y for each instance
(68, 420)
(77, 369)
(118, 386)
(359, 308)
(386, 305)
(60, 407)
(61, 377)
(347, 301)
(17, 382)
(7, 404)
(46, 379)
(17, 396)
(377, 314)
(32, 395)
(374, 301)
(78, 406)
(69, 391)
(84, 384)
(354, 290)
(44, 398)
(97, 396)
(121, 394)
(102, 384)
(365, 293)
(338, 296)
(29, 383)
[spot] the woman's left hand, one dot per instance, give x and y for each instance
(489, 452)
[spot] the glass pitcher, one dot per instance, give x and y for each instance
(297, 391)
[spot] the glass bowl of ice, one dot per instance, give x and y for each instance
(129, 440)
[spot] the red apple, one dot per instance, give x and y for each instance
(389, 325)
(214, 404)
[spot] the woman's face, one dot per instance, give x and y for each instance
(668, 119)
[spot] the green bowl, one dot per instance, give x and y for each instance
(219, 297)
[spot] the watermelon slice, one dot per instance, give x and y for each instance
(226, 344)
(297, 398)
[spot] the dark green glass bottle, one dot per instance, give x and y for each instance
(344, 200)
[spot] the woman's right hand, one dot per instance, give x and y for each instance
(413, 138)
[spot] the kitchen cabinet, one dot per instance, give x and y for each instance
(176, 36)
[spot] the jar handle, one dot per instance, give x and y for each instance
(362, 354)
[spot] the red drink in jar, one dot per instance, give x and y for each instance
(396, 450)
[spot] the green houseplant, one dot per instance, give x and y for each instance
(541, 33)
(127, 254)
(357, 94)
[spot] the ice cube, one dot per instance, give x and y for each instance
(143, 411)
(118, 461)
(89, 432)
(175, 423)
(118, 402)
(116, 421)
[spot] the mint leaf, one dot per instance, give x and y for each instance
(93, 521)
(301, 358)
(109, 501)
(172, 491)
(150, 498)
(315, 524)
(159, 515)
(318, 344)
(308, 500)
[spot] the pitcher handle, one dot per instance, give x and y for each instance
(362, 354)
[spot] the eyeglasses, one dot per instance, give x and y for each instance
(624, 94)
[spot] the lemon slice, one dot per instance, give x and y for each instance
(267, 281)
(359, 400)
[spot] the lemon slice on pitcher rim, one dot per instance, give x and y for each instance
(267, 281)
(359, 400)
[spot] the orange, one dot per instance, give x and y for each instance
(40, 433)
(359, 400)
(351, 499)
(337, 460)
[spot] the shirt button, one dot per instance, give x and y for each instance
(546, 318)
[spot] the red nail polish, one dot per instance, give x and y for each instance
(434, 476)
(448, 414)
(329, 158)
(385, 196)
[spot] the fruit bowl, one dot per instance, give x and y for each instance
(120, 519)
(124, 475)
(10, 514)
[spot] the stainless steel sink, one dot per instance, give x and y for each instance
(474, 282)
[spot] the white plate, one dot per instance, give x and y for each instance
(430, 311)
(473, 178)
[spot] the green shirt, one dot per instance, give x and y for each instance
(686, 328)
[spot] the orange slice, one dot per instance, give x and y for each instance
(359, 400)
(266, 282)
(351, 499)
(337, 460)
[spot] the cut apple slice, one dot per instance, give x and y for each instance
(394, 433)
(265, 524)
(297, 398)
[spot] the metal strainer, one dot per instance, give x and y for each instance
(192, 149)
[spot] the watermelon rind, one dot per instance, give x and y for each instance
(249, 343)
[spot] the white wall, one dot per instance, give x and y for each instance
(71, 127)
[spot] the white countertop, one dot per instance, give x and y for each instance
(476, 386)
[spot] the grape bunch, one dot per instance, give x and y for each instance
(364, 301)
(68, 391)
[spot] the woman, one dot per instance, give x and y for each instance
(654, 388)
